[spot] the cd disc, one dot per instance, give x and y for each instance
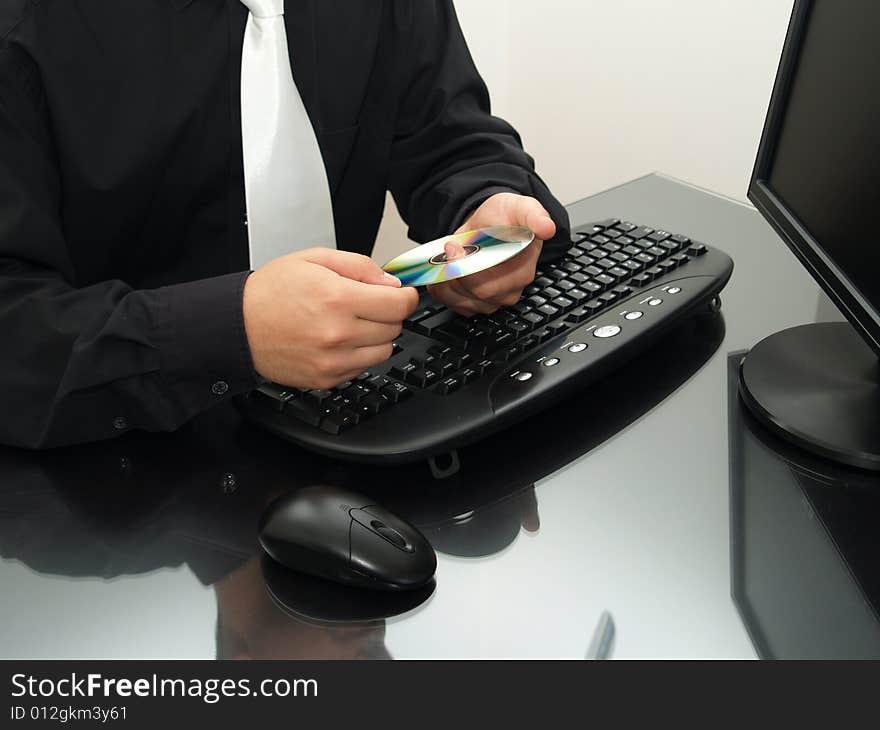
(480, 249)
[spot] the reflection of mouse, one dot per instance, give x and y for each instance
(346, 538)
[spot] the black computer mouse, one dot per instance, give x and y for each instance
(347, 538)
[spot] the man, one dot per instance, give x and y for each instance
(153, 153)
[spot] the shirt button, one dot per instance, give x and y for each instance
(119, 423)
(220, 387)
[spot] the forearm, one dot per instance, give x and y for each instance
(88, 364)
(449, 153)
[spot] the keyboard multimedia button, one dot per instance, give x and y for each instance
(656, 302)
(605, 331)
(578, 347)
(673, 290)
(522, 376)
(550, 362)
(633, 315)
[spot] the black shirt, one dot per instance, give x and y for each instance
(123, 241)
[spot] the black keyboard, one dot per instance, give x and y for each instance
(453, 380)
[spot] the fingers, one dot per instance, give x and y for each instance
(453, 250)
(374, 333)
(503, 284)
(453, 296)
(380, 304)
(367, 357)
(353, 266)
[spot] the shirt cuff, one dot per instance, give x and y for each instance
(205, 346)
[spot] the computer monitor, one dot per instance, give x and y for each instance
(817, 181)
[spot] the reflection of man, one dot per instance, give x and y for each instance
(251, 626)
(151, 154)
(112, 519)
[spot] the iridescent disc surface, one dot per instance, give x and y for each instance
(483, 248)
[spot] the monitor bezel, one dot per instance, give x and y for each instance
(863, 316)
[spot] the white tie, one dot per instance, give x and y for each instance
(288, 197)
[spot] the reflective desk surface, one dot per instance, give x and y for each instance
(652, 497)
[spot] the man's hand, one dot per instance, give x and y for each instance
(319, 317)
(501, 285)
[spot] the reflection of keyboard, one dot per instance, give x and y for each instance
(452, 379)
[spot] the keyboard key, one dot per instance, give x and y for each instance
(577, 295)
(534, 318)
(622, 291)
(317, 397)
(339, 422)
(645, 259)
(276, 395)
(564, 285)
(508, 353)
(683, 240)
(611, 247)
(641, 279)
(632, 250)
(654, 272)
(427, 325)
(557, 273)
(521, 307)
(372, 404)
(591, 287)
(549, 310)
(632, 266)
(619, 257)
(599, 239)
(625, 226)
(543, 281)
(564, 303)
(593, 270)
(304, 411)
(572, 267)
(528, 343)
(640, 232)
(606, 264)
(680, 258)
(608, 297)
(605, 280)
(578, 278)
(544, 334)
(395, 392)
(697, 249)
(551, 292)
(619, 273)
(537, 300)
(468, 374)
(449, 385)
(658, 236)
(578, 315)
(518, 327)
(484, 366)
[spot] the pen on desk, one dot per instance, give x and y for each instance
(603, 638)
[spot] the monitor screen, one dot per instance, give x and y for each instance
(823, 162)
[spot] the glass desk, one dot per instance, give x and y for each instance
(618, 500)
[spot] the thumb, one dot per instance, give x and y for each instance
(351, 265)
(530, 213)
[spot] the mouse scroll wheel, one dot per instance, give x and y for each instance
(388, 533)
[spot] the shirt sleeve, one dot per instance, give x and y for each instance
(82, 363)
(449, 153)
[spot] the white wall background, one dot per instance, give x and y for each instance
(603, 91)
